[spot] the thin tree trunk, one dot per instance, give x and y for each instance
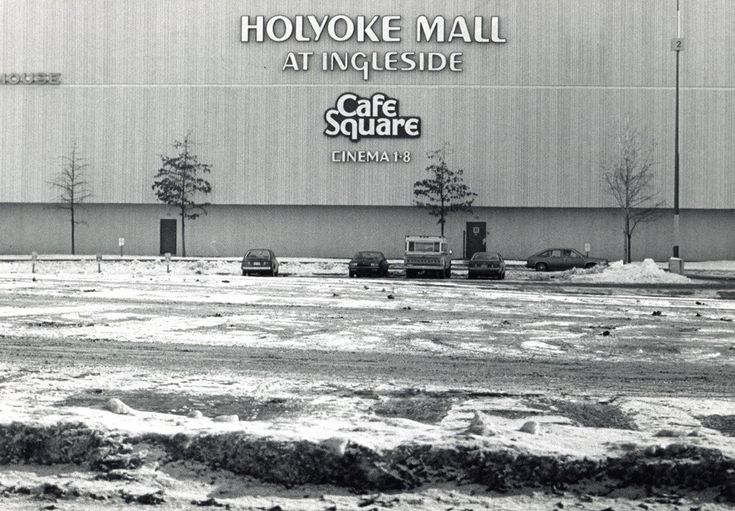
(71, 209)
(626, 239)
(183, 235)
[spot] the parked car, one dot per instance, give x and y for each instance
(260, 261)
(486, 264)
(368, 262)
(427, 255)
(561, 259)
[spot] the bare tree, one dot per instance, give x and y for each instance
(444, 191)
(629, 175)
(72, 187)
(177, 183)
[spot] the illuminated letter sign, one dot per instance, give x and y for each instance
(356, 117)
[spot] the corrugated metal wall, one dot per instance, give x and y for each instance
(530, 120)
(333, 231)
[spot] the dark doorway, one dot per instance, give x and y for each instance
(168, 236)
(475, 242)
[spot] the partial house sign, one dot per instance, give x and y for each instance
(30, 78)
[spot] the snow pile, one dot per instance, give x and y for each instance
(306, 266)
(634, 273)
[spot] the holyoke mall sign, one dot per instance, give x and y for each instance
(375, 29)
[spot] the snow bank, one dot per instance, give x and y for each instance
(646, 272)
(301, 266)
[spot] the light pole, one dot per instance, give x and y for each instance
(677, 45)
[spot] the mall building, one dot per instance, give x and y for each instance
(317, 116)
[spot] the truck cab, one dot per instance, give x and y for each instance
(428, 255)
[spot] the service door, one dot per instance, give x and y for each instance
(168, 236)
(475, 234)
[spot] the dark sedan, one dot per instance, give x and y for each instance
(260, 261)
(561, 259)
(486, 264)
(368, 263)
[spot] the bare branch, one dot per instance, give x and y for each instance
(71, 186)
(629, 176)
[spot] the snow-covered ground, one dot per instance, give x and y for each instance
(363, 369)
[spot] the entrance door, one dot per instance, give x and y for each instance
(475, 237)
(168, 236)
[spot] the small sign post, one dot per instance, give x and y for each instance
(587, 249)
(34, 258)
(121, 243)
(167, 255)
(99, 263)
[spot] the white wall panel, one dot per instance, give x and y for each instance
(530, 120)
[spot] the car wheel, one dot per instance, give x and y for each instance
(352, 274)
(542, 267)
(502, 276)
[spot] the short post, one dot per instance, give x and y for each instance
(121, 242)
(167, 255)
(99, 263)
(676, 265)
(34, 258)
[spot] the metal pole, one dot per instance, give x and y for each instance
(676, 141)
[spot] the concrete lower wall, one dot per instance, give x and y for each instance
(338, 231)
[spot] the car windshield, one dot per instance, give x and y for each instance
(423, 246)
(368, 255)
(485, 256)
(258, 253)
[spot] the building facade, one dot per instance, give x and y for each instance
(529, 94)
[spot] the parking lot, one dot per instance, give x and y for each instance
(381, 364)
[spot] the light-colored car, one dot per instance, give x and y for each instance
(561, 259)
(486, 264)
(429, 255)
(260, 261)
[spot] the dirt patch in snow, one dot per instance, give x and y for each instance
(725, 424)
(421, 408)
(292, 463)
(514, 414)
(211, 405)
(590, 414)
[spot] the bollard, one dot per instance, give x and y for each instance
(121, 243)
(34, 258)
(676, 265)
(167, 255)
(99, 263)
